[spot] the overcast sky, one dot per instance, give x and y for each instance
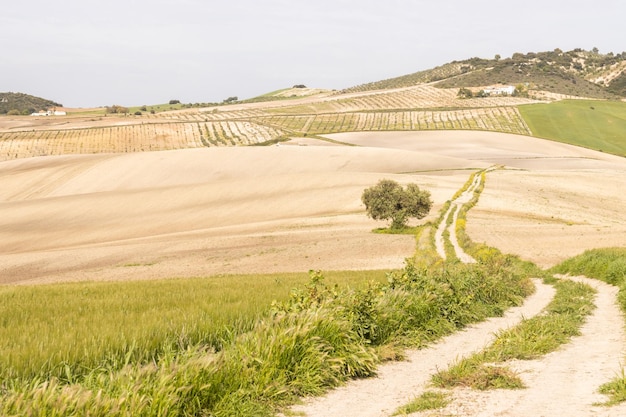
(85, 53)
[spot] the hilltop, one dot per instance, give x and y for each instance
(576, 73)
(20, 103)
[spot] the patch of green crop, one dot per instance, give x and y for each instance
(593, 124)
(61, 329)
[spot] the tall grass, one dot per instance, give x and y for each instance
(64, 330)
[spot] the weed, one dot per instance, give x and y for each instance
(429, 400)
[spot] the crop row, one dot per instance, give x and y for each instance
(193, 134)
(500, 119)
(414, 98)
(234, 133)
(203, 115)
(418, 97)
(133, 138)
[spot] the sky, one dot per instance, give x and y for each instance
(84, 53)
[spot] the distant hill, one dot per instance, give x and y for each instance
(297, 91)
(578, 73)
(20, 103)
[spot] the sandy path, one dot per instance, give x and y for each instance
(398, 382)
(565, 382)
(455, 206)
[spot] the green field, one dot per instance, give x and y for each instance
(593, 124)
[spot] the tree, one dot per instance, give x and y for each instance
(465, 93)
(116, 109)
(388, 200)
(521, 90)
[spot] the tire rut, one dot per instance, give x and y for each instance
(564, 382)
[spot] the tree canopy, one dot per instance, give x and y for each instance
(388, 200)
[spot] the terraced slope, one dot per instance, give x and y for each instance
(421, 107)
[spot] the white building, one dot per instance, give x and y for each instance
(49, 113)
(500, 91)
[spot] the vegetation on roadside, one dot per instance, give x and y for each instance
(533, 337)
(429, 400)
(319, 337)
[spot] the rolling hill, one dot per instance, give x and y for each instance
(21, 103)
(425, 100)
(577, 73)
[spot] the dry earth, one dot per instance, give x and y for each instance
(203, 211)
(294, 208)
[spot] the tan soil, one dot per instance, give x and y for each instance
(293, 208)
(203, 211)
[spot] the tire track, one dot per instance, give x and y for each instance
(564, 382)
(455, 206)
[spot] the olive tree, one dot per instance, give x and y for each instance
(388, 200)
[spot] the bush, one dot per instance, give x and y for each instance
(465, 93)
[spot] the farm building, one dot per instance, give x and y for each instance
(499, 90)
(49, 113)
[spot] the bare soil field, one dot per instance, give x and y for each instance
(293, 208)
(549, 202)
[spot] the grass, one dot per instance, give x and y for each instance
(429, 400)
(63, 330)
(406, 230)
(592, 124)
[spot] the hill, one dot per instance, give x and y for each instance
(20, 103)
(577, 73)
